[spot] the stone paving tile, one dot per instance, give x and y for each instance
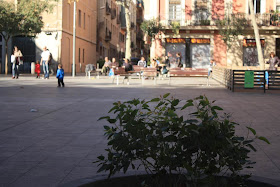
(57, 143)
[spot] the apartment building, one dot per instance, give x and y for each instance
(57, 36)
(140, 49)
(199, 40)
(109, 38)
(112, 29)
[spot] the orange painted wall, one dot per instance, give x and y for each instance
(188, 8)
(218, 9)
(162, 13)
(239, 6)
(220, 50)
(269, 6)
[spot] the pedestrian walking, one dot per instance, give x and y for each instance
(179, 60)
(44, 62)
(60, 76)
(37, 69)
(211, 65)
(18, 61)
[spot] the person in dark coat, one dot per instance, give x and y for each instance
(127, 65)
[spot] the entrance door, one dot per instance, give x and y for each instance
(27, 47)
(200, 55)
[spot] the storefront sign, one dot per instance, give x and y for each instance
(249, 79)
(175, 40)
(252, 43)
(200, 41)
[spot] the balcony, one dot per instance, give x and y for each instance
(108, 9)
(198, 19)
(113, 13)
(108, 35)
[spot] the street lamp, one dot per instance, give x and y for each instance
(74, 36)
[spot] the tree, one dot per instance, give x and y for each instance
(231, 27)
(151, 27)
(23, 18)
(126, 4)
(257, 35)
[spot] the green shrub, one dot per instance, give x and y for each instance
(160, 137)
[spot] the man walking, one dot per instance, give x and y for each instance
(44, 62)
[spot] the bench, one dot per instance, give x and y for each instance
(120, 72)
(90, 69)
(138, 69)
(178, 72)
(149, 72)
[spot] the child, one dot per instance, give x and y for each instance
(37, 69)
(60, 75)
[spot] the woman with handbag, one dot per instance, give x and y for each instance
(18, 60)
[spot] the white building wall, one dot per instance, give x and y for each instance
(52, 42)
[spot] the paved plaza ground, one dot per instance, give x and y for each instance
(49, 136)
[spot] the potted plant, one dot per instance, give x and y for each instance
(175, 27)
(177, 142)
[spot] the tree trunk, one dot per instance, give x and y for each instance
(128, 34)
(257, 36)
(6, 56)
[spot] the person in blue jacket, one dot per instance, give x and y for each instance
(60, 75)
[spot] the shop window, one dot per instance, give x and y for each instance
(250, 52)
(277, 47)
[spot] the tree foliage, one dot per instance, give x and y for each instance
(166, 135)
(23, 18)
(231, 27)
(151, 27)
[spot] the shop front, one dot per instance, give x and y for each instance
(250, 52)
(195, 52)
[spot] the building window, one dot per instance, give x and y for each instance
(84, 20)
(201, 11)
(79, 55)
(83, 55)
(80, 18)
(174, 10)
(257, 6)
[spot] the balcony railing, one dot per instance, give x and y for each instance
(198, 19)
(108, 9)
(113, 13)
(108, 35)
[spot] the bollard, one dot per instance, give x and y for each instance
(32, 68)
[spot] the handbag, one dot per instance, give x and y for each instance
(20, 60)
